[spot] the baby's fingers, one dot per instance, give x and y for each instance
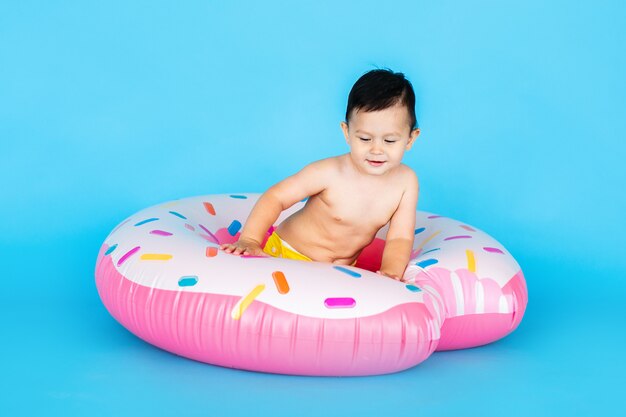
(228, 247)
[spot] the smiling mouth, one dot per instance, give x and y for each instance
(375, 163)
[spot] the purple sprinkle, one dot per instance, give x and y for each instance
(493, 250)
(458, 237)
(128, 255)
(160, 233)
(340, 302)
(215, 240)
(434, 217)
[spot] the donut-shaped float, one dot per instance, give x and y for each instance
(161, 275)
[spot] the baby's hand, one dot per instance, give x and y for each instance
(390, 275)
(243, 247)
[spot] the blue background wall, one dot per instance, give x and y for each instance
(108, 107)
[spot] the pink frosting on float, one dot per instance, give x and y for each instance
(476, 322)
(199, 326)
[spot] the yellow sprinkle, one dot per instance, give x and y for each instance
(471, 261)
(428, 239)
(156, 257)
(245, 302)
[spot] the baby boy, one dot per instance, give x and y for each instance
(350, 196)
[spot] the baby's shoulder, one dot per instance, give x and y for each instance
(330, 164)
(407, 175)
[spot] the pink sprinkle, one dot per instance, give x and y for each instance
(190, 227)
(458, 237)
(494, 250)
(340, 302)
(160, 233)
(467, 228)
(128, 255)
(434, 217)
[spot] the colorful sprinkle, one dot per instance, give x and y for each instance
(128, 255)
(178, 215)
(412, 288)
(242, 197)
(347, 271)
(458, 237)
(341, 302)
(432, 250)
(209, 208)
(211, 252)
(420, 230)
(428, 239)
(156, 257)
(245, 302)
(188, 281)
(190, 227)
(160, 233)
(147, 221)
(110, 250)
(467, 228)
(281, 282)
(493, 250)
(434, 217)
(234, 227)
(426, 262)
(471, 260)
(212, 236)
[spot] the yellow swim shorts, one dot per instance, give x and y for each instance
(278, 248)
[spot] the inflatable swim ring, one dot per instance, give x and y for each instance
(161, 275)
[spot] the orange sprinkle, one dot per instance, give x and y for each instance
(281, 282)
(209, 207)
(211, 252)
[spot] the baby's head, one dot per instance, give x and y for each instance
(380, 120)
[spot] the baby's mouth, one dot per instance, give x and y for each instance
(375, 163)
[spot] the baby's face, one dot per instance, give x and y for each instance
(378, 139)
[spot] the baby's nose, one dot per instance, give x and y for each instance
(376, 147)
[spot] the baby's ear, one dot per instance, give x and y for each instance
(414, 134)
(344, 128)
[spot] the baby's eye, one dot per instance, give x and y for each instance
(390, 141)
(365, 139)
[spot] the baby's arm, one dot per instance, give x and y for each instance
(401, 232)
(309, 181)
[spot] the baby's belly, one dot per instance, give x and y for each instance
(342, 245)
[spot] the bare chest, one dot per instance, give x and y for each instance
(359, 206)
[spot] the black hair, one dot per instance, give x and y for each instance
(380, 89)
